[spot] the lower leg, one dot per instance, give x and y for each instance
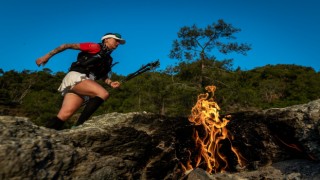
(71, 103)
(92, 105)
(92, 89)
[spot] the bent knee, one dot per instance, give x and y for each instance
(104, 95)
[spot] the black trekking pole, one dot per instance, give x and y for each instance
(143, 69)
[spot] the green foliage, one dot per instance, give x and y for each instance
(167, 94)
(198, 44)
(31, 94)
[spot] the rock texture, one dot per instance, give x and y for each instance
(111, 146)
(277, 144)
(279, 134)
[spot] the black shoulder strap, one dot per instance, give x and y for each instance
(104, 50)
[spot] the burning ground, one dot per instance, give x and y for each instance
(275, 143)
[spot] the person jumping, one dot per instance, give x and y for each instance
(94, 62)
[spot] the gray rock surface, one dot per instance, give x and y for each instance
(278, 143)
(111, 146)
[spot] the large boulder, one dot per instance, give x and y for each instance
(110, 146)
(279, 142)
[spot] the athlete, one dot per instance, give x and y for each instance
(94, 62)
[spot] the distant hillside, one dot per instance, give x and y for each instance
(34, 94)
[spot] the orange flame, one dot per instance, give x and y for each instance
(205, 114)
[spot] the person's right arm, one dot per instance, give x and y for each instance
(44, 59)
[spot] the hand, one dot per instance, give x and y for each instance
(42, 60)
(115, 84)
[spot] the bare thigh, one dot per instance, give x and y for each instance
(71, 103)
(90, 88)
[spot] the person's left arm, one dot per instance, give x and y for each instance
(44, 59)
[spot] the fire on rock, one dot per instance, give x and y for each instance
(210, 136)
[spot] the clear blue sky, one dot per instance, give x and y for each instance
(280, 31)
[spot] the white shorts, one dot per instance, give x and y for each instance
(70, 80)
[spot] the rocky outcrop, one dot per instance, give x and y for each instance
(279, 134)
(283, 143)
(111, 146)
